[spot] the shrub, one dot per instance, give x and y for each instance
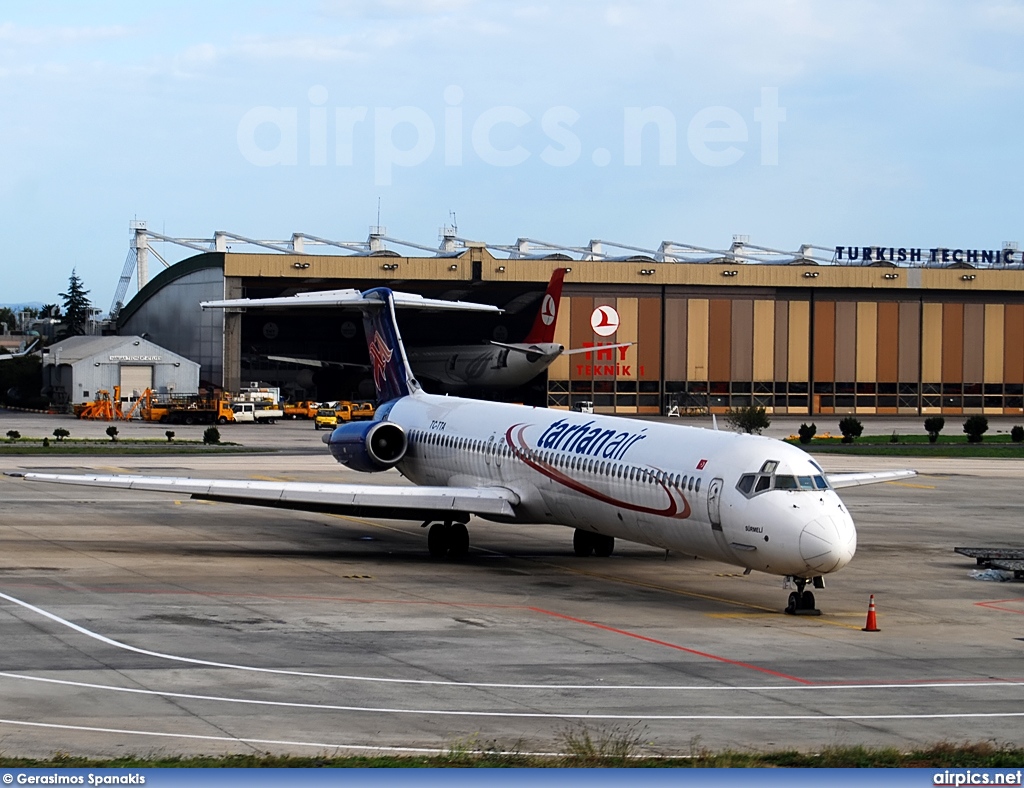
(60, 434)
(751, 419)
(211, 435)
(112, 432)
(46, 442)
(807, 432)
(851, 429)
(170, 435)
(894, 438)
(1017, 434)
(13, 435)
(933, 426)
(975, 426)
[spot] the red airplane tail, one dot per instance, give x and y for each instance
(543, 330)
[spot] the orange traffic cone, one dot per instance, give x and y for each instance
(872, 623)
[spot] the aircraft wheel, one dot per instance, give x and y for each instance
(458, 540)
(807, 601)
(794, 603)
(437, 540)
(582, 543)
(604, 546)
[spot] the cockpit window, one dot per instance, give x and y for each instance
(750, 484)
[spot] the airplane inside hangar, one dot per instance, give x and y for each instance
(800, 332)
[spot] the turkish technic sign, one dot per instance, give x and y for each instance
(902, 254)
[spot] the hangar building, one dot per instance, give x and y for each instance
(893, 331)
(75, 368)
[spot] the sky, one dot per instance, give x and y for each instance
(832, 123)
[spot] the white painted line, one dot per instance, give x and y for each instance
(321, 745)
(514, 714)
(495, 685)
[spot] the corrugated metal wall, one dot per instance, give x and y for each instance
(795, 355)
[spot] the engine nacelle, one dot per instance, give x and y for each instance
(368, 446)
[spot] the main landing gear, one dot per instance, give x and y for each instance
(801, 603)
(585, 543)
(447, 540)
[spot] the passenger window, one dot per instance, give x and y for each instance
(746, 483)
(763, 483)
(697, 489)
(691, 484)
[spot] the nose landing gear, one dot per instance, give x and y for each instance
(801, 603)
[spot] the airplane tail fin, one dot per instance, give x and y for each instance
(543, 330)
(392, 374)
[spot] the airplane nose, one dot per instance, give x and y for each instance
(828, 543)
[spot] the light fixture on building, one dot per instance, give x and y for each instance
(646, 271)
(453, 267)
(729, 273)
(568, 270)
(968, 277)
(390, 266)
(300, 265)
(810, 274)
(890, 276)
(501, 269)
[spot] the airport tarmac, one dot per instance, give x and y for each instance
(140, 623)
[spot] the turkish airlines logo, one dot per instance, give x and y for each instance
(380, 355)
(547, 310)
(605, 321)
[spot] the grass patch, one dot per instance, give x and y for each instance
(612, 749)
(137, 446)
(997, 446)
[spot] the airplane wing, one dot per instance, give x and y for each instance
(312, 362)
(352, 298)
(840, 480)
(575, 350)
(399, 502)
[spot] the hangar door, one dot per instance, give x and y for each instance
(134, 381)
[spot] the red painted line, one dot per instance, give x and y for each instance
(995, 605)
(540, 610)
(656, 642)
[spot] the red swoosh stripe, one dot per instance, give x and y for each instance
(524, 453)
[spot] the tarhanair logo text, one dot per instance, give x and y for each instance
(589, 441)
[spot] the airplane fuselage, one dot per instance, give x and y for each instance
(486, 366)
(745, 500)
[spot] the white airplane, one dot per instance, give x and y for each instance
(497, 365)
(743, 500)
(21, 354)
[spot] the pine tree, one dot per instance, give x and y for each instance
(77, 307)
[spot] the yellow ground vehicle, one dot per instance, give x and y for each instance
(327, 416)
(362, 411)
(301, 410)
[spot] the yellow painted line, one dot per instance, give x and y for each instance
(916, 486)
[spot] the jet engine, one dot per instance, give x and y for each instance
(368, 446)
